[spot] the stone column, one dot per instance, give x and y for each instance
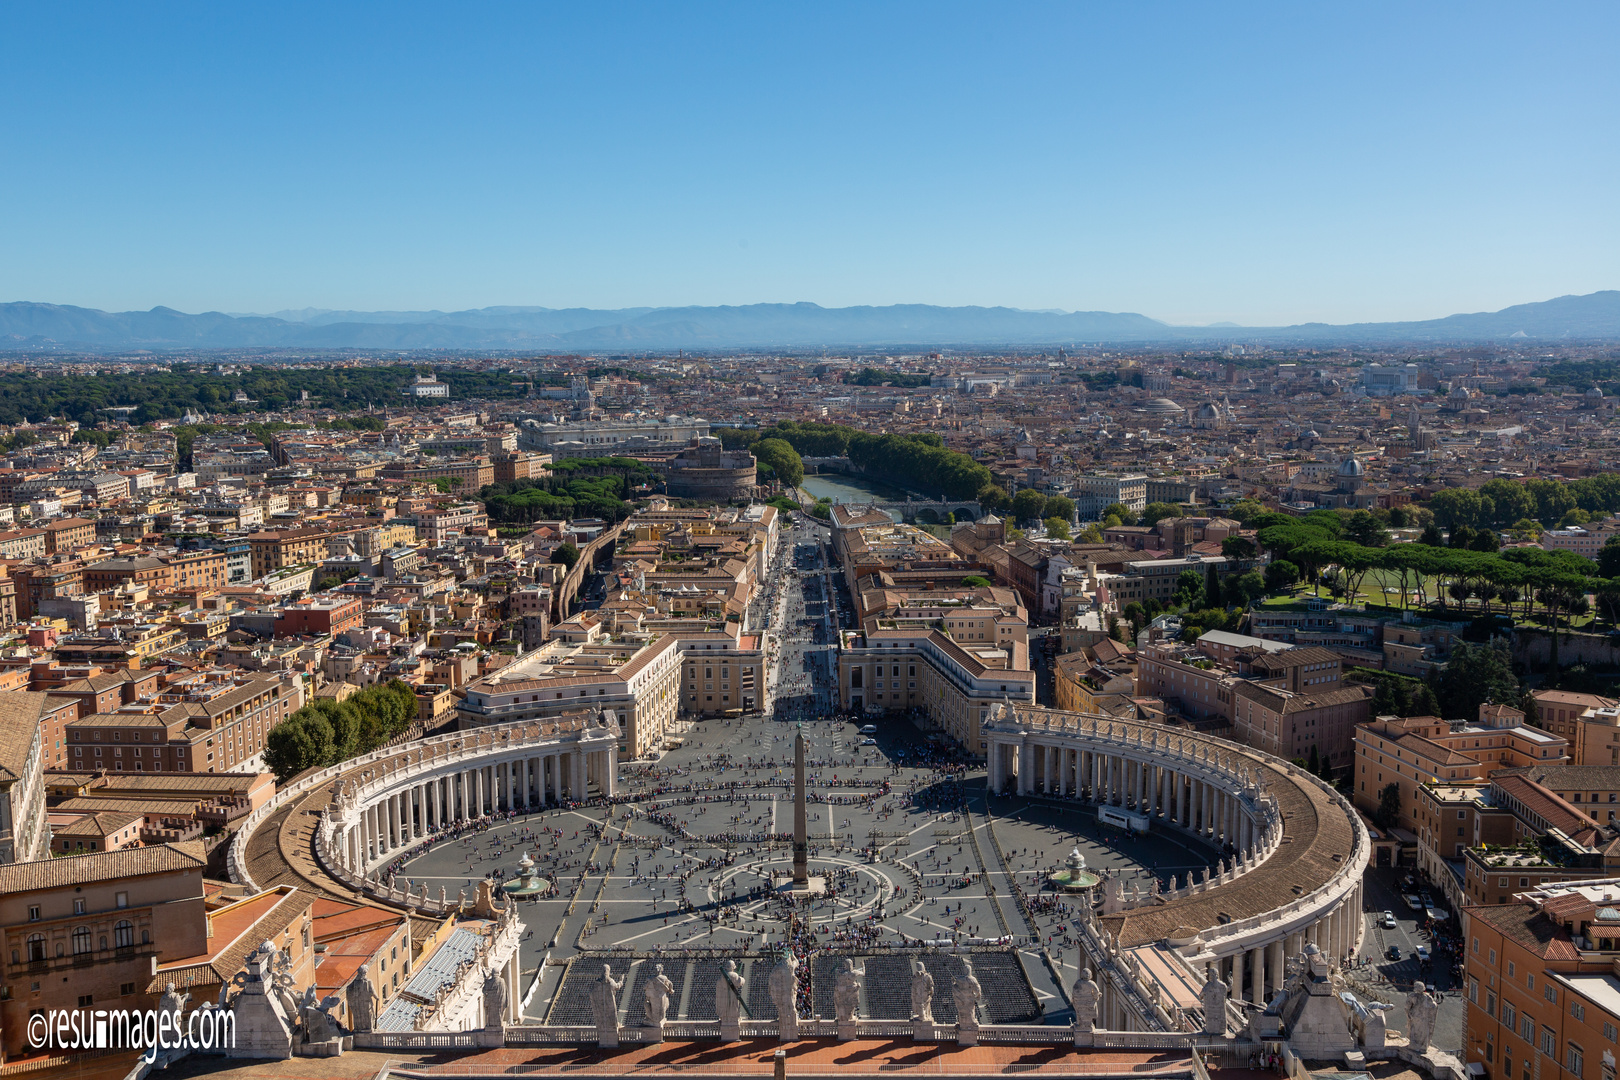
(1026, 768)
(1276, 950)
(1235, 990)
(610, 770)
(1206, 823)
(1257, 969)
(540, 780)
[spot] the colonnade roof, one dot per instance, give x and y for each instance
(1317, 840)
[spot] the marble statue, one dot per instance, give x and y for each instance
(172, 1002)
(605, 1006)
(967, 993)
(1420, 1011)
(847, 991)
(922, 992)
(1213, 998)
(362, 1003)
(318, 1026)
(728, 994)
(494, 1000)
(656, 997)
(1084, 997)
(784, 985)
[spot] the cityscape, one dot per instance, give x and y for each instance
(628, 589)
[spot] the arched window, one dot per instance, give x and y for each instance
(124, 934)
(36, 947)
(146, 937)
(81, 940)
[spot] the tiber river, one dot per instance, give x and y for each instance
(850, 489)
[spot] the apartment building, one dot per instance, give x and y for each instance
(1412, 751)
(211, 722)
(1093, 493)
(1157, 579)
(85, 931)
(638, 677)
(276, 549)
(65, 534)
(954, 683)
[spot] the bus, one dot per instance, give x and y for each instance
(1122, 819)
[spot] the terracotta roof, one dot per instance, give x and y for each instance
(1522, 924)
(101, 866)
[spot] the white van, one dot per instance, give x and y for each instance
(869, 729)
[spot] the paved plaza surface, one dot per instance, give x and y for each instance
(696, 853)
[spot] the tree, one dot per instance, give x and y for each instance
(1091, 534)
(1212, 584)
(975, 581)
(1315, 762)
(1239, 547)
(1057, 528)
(1364, 529)
(1125, 514)
(1457, 506)
(1189, 589)
(1281, 575)
(1155, 512)
(1028, 505)
(1422, 702)
(1060, 506)
(1431, 536)
(302, 741)
(1525, 529)
(1485, 540)
(1608, 559)
(1474, 675)
(1389, 806)
(1462, 537)
(1241, 590)
(994, 500)
(566, 554)
(1244, 509)
(783, 460)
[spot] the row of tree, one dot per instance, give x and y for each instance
(168, 392)
(327, 731)
(560, 497)
(1503, 504)
(918, 462)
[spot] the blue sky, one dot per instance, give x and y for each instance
(1247, 162)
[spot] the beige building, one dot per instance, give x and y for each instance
(86, 931)
(25, 832)
(954, 683)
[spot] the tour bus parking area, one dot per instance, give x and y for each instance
(698, 847)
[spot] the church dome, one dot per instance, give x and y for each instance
(1351, 467)
(1594, 394)
(1161, 405)
(1208, 411)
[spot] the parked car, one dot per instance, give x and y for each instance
(1388, 921)
(1422, 954)
(868, 742)
(1394, 952)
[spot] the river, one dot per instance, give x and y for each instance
(849, 489)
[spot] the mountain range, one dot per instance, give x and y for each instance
(29, 325)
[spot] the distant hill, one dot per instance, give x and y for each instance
(769, 326)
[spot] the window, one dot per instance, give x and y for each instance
(81, 940)
(78, 905)
(1572, 1059)
(124, 934)
(36, 948)
(1577, 1010)
(1508, 1016)
(1610, 1032)
(33, 913)
(1549, 1045)
(1550, 992)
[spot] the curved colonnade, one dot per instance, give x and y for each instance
(383, 804)
(1292, 876)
